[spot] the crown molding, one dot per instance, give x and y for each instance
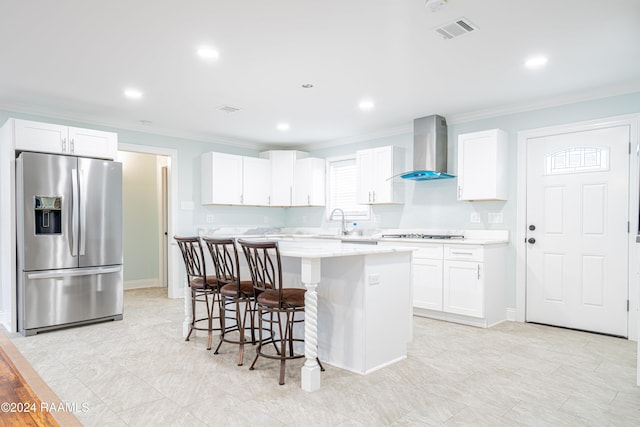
(545, 103)
(193, 136)
(383, 133)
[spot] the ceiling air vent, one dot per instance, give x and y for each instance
(228, 109)
(460, 27)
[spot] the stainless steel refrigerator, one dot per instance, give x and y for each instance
(69, 224)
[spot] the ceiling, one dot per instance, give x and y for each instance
(73, 59)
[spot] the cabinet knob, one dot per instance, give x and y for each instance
(531, 240)
(532, 227)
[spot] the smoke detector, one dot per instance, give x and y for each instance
(435, 5)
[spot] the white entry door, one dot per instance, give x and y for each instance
(577, 219)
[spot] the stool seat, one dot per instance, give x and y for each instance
(291, 297)
(199, 283)
(231, 289)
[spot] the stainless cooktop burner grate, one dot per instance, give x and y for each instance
(424, 236)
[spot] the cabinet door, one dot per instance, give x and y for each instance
(427, 283)
(92, 143)
(41, 137)
(463, 287)
(256, 181)
(482, 165)
(221, 182)
(282, 171)
(364, 181)
(309, 182)
(382, 170)
(375, 167)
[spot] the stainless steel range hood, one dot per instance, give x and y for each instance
(429, 149)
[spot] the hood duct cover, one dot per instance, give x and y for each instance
(429, 149)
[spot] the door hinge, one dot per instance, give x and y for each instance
(627, 306)
(629, 147)
(628, 227)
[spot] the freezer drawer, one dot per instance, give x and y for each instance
(59, 298)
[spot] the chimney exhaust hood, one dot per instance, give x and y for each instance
(429, 149)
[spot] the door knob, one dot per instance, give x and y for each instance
(531, 240)
(532, 227)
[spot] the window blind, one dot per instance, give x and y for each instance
(342, 189)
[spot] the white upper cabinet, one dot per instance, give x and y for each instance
(282, 173)
(58, 139)
(229, 179)
(296, 180)
(375, 169)
(221, 179)
(482, 165)
(277, 178)
(256, 182)
(309, 182)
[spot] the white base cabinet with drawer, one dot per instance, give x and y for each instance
(426, 278)
(459, 283)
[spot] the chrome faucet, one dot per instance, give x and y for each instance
(343, 230)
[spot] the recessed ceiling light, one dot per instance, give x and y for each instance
(366, 105)
(207, 53)
(133, 93)
(536, 62)
(283, 126)
(307, 85)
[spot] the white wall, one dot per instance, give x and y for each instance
(141, 219)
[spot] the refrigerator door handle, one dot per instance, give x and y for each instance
(83, 211)
(74, 212)
(52, 274)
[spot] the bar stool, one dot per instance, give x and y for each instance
(266, 274)
(235, 293)
(204, 288)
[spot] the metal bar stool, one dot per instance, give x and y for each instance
(236, 294)
(282, 304)
(204, 288)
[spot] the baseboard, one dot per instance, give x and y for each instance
(511, 314)
(142, 283)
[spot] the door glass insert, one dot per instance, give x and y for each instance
(577, 160)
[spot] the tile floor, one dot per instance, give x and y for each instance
(140, 372)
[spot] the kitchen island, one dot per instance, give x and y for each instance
(357, 305)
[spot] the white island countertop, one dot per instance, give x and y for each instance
(306, 249)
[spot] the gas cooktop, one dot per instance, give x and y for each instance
(423, 236)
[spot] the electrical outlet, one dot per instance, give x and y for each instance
(304, 219)
(266, 220)
(210, 219)
(374, 279)
(474, 218)
(495, 217)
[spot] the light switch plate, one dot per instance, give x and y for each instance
(210, 219)
(474, 218)
(187, 205)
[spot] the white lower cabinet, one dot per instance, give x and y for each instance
(427, 278)
(463, 288)
(460, 283)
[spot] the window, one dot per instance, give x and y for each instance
(342, 189)
(576, 160)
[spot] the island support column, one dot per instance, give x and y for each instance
(310, 276)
